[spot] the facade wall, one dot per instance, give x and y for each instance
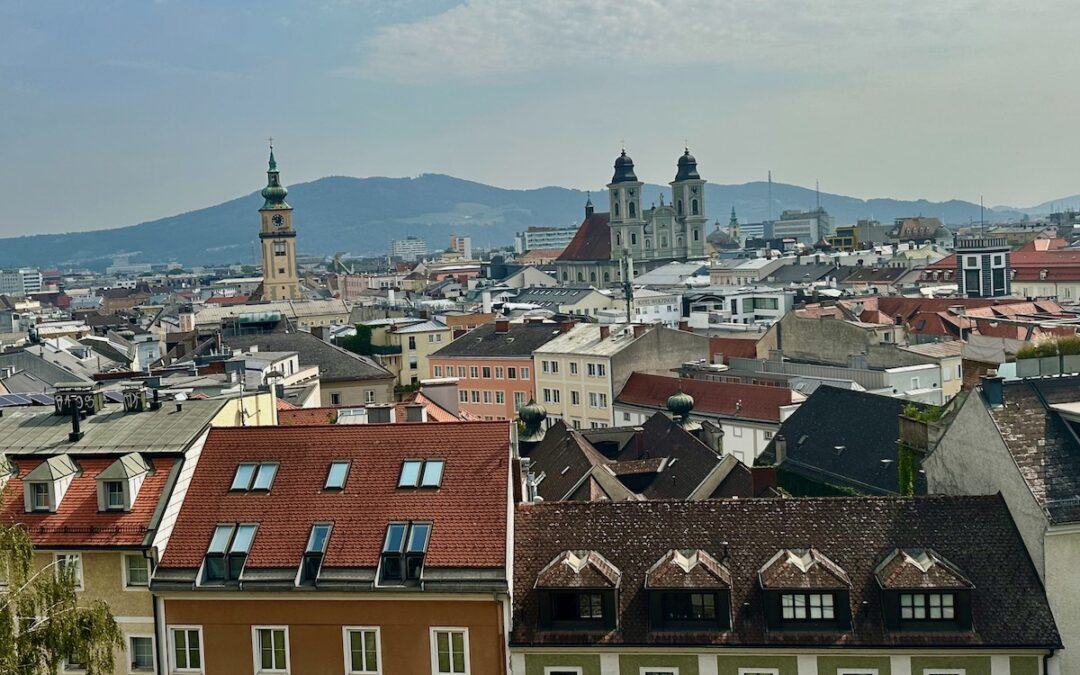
(315, 638)
(659, 351)
(355, 392)
(484, 403)
(415, 352)
(253, 410)
(744, 661)
(568, 384)
(1062, 550)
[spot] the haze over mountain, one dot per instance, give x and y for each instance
(361, 215)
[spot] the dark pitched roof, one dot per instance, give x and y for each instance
(863, 426)
(975, 533)
(334, 362)
(519, 342)
(592, 241)
(1044, 447)
(806, 272)
(467, 512)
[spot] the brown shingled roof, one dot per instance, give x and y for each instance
(592, 241)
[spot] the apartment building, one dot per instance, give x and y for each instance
(346, 549)
(579, 373)
(494, 366)
(407, 345)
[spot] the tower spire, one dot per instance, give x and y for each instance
(274, 193)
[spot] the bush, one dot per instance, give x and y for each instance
(1065, 346)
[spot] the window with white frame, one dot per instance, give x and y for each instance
(487, 396)
(562, 670)
(575, 398)
(363, 652)
(519, 399)
(438, 371)
(185, 649)
(524, 373)
(807, 606)
(463, 396)
(70, 564)
(498, 372)
(141, 653)
(449, 651)
(271, 645)
(500, 398)
(573, 367)
(136, 570)
(369, 395)
(927, 606)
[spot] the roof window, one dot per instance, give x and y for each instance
(118, 485)
(403, 552)
(251, 476)
(228, 550)
(425, 473)
(46, 484)
(316, 549)
(335, 478)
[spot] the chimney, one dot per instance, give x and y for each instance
(565, 326)
(485, 297)
(780, 449)
(993, 388)
(684, 325)
(76, 433)
(605, 331)
(502, 326)
(640, 329)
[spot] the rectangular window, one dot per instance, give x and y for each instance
(487, 396)
(403, 552)
(474, 372)
(450, 651)
(463, 396)
(591, 370)
(186, 648)
(363, 650)
(524, 373)
(136, 571)
(412, 342)
(227, 553)
(316, 549)
(114, 495)
(592, 399)
(519, 399)
(545, 367)
(486, 372)
(141, 654)
(271, 649)
(39, 497)
(475, 394)
(927, 606)
(251, 476)
(554, 367)
(573, 367)
(689, 606)
(500, 398)
(438, 371)
(511, 373)
(335, 477)
(461, 371)
(498, 372)
(70, 564)
(575, 398)
(807, 606)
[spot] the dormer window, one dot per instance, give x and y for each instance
(254, 477)
(316, 549)
(47, 483)
(805, 590)
(228, 551)
(578, 592)
(424, 473)
(335, 478)
(403, 552)
(688, 591)
(922, 591)
(118, 485)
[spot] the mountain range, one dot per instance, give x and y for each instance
(361, 215)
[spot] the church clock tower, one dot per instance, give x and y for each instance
(278, 238)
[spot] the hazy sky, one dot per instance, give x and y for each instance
(118, 111)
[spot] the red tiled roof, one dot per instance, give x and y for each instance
(228, 300)
(435, 412)
(295, 416)
(592, 241)
(282, 404)
(745, 348)
(719, 398)
(468, 512)
(77, 521)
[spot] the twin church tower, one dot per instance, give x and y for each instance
(278, 239)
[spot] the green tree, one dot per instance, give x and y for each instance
(41, 622)
(359, 343)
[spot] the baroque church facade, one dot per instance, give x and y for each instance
(278, 240)
(630, 239)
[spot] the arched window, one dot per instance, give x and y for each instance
(696, 235)
(693, 207)
(633, 238)
(565, 276)
(663, 242)
(648, 243)
(680, 242)
(592, 277)
(630, 209)
(618, 239)
(580, 276)
(680, 207)
(616, 208)
(607, 276)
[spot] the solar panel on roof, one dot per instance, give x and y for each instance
(43, 399)
(114, 396)
(7, 400)
(22, 399)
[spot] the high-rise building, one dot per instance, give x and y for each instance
(409, 248)
(22, 281)
(278, 238)
(544, 237)
(462, 245)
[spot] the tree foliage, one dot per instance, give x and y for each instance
(41, 621)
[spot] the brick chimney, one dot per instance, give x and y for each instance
(502, 326)
(640, 329)
(565, 326)
(605, 331)
(762, 478)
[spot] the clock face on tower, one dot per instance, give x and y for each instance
(278, 220)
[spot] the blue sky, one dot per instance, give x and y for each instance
(118, 111)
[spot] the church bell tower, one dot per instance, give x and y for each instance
(278, 238)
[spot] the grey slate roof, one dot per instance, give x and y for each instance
(976, 534)
(335, 363)
(482, 342)
(552, 296)
(26, 431)
(1040, 440)
(866, 425)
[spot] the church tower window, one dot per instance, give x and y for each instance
(694, 206)
(616, 209)
(631, 210)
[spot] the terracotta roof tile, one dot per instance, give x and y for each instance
(468, 511)
(592, 241)
(749, 401)
(77, 521)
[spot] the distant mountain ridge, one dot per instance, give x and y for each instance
(361, 216)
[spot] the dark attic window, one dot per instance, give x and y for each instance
(403, 553)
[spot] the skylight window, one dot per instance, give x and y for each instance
(227, 553)
(335, 479)
(251, 476)
(403, 552)
(316, 549)
(425, 473)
